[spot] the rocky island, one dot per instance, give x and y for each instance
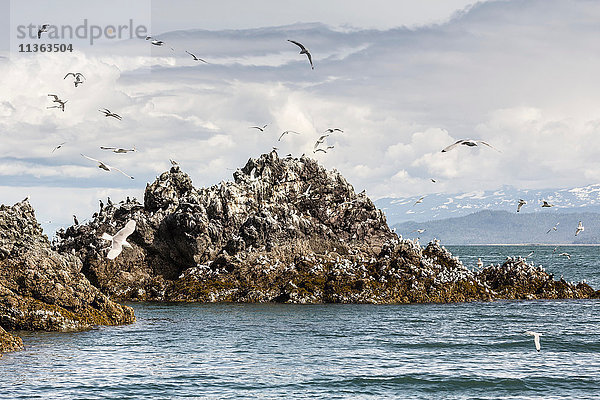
(284, 230)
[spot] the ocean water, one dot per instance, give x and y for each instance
(275, 351)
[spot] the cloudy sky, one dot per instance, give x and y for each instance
(403, 79)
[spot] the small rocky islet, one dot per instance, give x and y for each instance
(284, 230)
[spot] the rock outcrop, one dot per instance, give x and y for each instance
(41, 289)
(284, 230)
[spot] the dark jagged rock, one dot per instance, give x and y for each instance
(41, 289)
(284, 230)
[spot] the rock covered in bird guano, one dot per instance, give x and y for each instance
(286, 230)
(41, 289)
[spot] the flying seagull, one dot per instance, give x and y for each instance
(61, 103)
(285, 133)
(58, 147)
(546, 204)
(419, 230)
(324, 150)
(536, 338)
(566, 255)
(555, 227)
(262, 129)
(330, 130)
(433, 180)
(320, 140)
(580, 228)
(108, 113)
(173, 163)
(118, 149)
(119, 240)
(106, 167)
(303, 51)
(77, 76)
(470, 143)
(43, 28)
(419, 201)
(196, 58)
(521, 204)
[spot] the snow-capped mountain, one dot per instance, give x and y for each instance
(441, 206)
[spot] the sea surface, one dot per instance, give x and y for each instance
(277, 351)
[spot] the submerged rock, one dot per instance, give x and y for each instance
(41, 289)
(284, 230)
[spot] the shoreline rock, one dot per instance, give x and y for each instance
(41, 289)
(285, 230)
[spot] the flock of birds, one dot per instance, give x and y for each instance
(119, 240)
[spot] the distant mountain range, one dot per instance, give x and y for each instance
(441, 206)
(503, 227)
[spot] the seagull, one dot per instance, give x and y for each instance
(61, 103)
(320, 140)
(433, 180)
(196, 58)
(536, 338)
(173, 163)
(262, 129)
(419, 201)
(470, 143)
(324, 150)
(77, 76)
(106, 167)
(566, 255)
(555, 227)
(479, 263)
(580, 228)
(160, 43)
(118, 149)
(419, 230)
(44, 28)
(330, 130)
(108, 113)
(521, 204)
(58, 147)
(303, 51)
(554, 251)
(285, 133)
(75, 220)
(546, 204)
(119, 240)
(529, 255)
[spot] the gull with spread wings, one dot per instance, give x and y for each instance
(303, 50)
(106, 167)
(470, 143)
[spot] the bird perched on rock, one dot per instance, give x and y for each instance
(579, 229)
(75, 221)
(521, 204)
(119, 240)
(536, 339)
(304, 50)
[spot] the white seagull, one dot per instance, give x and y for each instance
(580, 228)
(77, 76)
(324, 150)
(521, 204)
(119, 240)
(554, 228)
(330, 130)
(118, 150)
(320, 140)
(419, 201)
(419, 230)
(303, 51)
(196, 58)
(58, 147)
(262, 129)
(566, 255)
(285, 133)
(108, 113)
(470, 143)
(43, 28)
(536, 338)
(106, 167)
